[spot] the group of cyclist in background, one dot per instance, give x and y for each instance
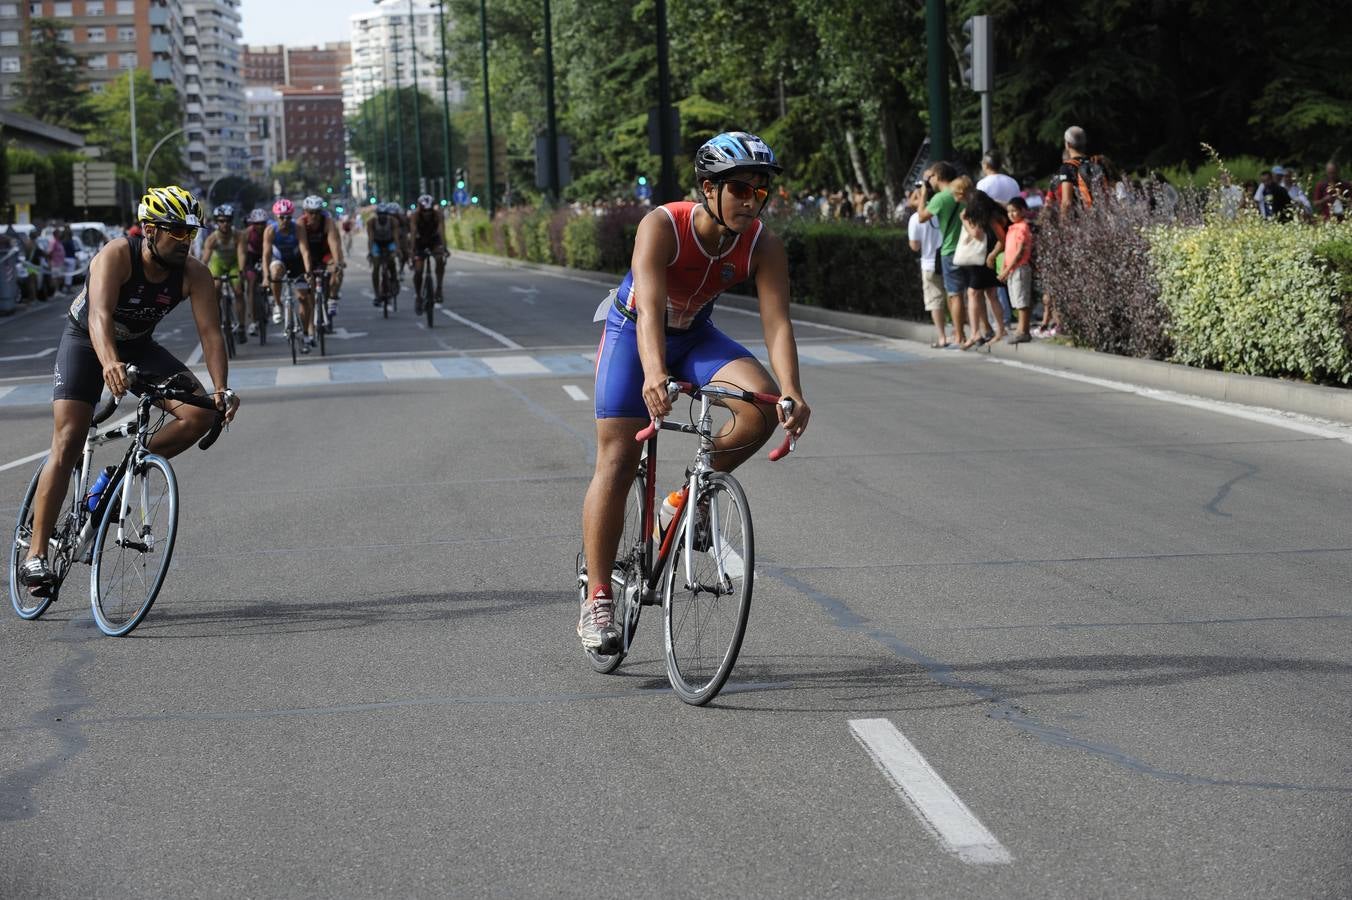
(295, 249)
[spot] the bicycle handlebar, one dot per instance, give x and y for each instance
(682, 387)
(163, 391)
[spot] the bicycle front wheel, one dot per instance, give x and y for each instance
(131, 555)
(627, 579)
(707, 593)
(25, 603)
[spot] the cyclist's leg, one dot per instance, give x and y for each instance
(78, 380)
(620, 414)
(718, 358)
(189, 423)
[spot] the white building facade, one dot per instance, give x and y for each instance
(215, 117)
(376, 36)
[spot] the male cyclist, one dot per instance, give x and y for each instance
(223, 252)
(382, 244)
(325, 247)
(429, 238)
(134, 282)
(289, 257)
(252, 265)
(659, 326)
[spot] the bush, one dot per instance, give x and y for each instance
(1096, 267)
(581, 249)
(1258, 298)
(853, 268)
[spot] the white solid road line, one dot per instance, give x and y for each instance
(575, 392)
(939, 810)
(504, 341)
(1293, 422)
(30, 356)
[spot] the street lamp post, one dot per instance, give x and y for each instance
(488, 111)
(145, 174)
(417, 94)
(445, 104)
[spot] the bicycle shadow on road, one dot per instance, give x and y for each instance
(282, 617)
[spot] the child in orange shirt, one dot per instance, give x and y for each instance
(1018, 270)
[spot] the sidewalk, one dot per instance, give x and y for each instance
(1330, 403)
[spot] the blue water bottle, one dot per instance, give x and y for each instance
(92, 500)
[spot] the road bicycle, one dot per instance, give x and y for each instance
(128, 534)
(387, 285)
(262, 306)
(291, 317)
(700, 567)
(427, 301)
(225, 296)
(319, 307)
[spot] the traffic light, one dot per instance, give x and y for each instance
(978, 54)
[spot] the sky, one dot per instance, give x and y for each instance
(299, 23)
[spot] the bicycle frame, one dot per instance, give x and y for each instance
(700, 468)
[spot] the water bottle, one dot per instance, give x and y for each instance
(92, 499)
(668, 511)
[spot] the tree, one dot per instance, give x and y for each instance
(50, 89)
(367, 140)
(158, 112)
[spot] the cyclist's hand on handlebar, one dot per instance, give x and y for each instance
(115, 376)
(794, 419)
(656, 397)
(227, 401)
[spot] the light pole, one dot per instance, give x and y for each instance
(417, 94)
(488, 111)
(445, 105)
(145, 173)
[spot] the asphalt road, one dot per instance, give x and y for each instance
(1117, 629)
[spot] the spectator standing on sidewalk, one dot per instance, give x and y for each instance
(1332, 196)
(926, 240)
(946, 206)
(56, 257)
(1017, 273)
(1001, 188)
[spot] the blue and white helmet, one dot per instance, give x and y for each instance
(734, 151)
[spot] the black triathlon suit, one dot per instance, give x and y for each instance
(427, 238)
(141, 304)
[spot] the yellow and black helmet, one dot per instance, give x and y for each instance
(170, 206)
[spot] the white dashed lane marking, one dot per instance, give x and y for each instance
(939, 809)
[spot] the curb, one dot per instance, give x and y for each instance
(1248, 390)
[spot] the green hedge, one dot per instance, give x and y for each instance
(1258, 298)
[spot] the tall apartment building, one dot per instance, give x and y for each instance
(299, 67)
(107, 38)
(215, 116)
(375, 66)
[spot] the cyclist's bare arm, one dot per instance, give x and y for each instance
(654, 247)
(771, 266)
(202, 295)
(107, 273)
(335, 243)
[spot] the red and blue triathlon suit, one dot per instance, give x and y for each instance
(696, 350)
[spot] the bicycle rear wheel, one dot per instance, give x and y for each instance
(25, 603)
(626, 579)
(131, 557)
(707, 592)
